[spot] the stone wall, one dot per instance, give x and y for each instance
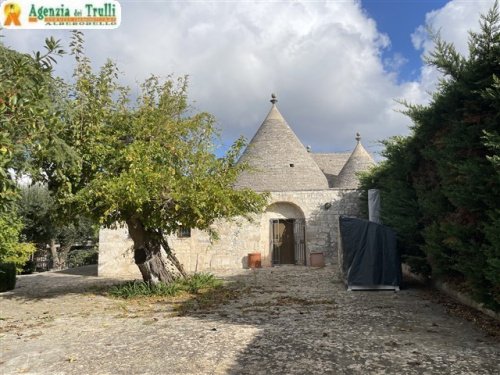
(322, 210)
(237, 238)
(116, 255)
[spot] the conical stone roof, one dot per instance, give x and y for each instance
(359, 161)
(277, 159)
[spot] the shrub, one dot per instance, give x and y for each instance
(200, 281)
(77, 258)
(7, 276)
(29, 267)
(11, 250)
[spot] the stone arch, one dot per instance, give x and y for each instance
(284, 210)
(290, 218)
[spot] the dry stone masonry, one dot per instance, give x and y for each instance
(314, 189)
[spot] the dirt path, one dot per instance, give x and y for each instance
(287, 320)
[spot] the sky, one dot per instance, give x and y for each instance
(337, 67)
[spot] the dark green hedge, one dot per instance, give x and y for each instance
(7, 276)
(440, 187)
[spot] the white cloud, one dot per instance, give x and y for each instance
(453, 23)
(395, 62)
(323, 59)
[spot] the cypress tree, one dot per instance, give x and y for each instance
(447, 172)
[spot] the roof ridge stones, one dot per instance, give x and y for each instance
(359, 161)
(277, 159)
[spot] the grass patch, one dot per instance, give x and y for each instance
(193, 285)
(197, 294)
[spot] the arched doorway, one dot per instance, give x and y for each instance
(286, 233)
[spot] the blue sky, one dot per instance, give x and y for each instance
(337, 66)
(399, 19)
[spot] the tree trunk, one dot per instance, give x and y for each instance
(59, 258)
(55, 257)
(153, 256)
(63, 255)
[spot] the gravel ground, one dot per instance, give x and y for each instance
(282, 320)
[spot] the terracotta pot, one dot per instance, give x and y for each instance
(317, 260)
(254, 260)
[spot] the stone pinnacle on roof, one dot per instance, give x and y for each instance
(359, 161)
(277, 159)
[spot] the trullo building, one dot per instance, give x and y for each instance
(308, 192)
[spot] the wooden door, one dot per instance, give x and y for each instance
(283, 242)
(299, 233)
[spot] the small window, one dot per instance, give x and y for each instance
(184, 232)
(292, 165)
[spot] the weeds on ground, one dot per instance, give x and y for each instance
(197, 294)
(193, 285)
(208, 300)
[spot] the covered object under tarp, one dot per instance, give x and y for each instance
(368, 255)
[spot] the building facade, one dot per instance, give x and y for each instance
(308, 192)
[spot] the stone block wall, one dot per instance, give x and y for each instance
(237, 238)
(322, 209)
(116, 254)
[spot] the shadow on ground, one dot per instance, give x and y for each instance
(282, 320)
(308, 323)
(53, 284)
(90, 270)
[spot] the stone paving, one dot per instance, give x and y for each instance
(286, 320)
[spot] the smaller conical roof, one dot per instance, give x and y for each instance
(359, 161)
(277, 159)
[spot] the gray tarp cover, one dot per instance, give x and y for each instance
(374, 205)
(369, 253)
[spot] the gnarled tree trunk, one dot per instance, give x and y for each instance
(57, 264)
(63, 255)
(59, 256)
(155, 259)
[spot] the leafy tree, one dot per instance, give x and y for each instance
(25, 116)
(35, 206)
(25, 112)
(150, 165)
(492, 225)
(447, 171)
(44, 227)
(400, 208)
(11, 250)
